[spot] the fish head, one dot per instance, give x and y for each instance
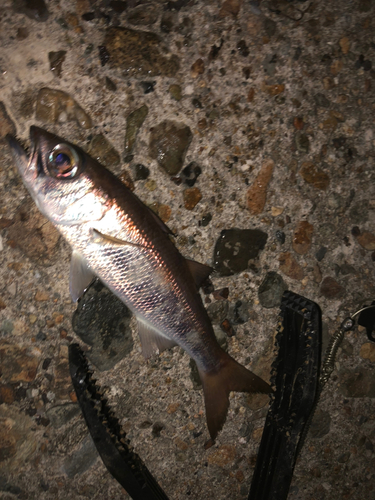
(60, 178)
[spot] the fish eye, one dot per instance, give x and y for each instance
(64, 162)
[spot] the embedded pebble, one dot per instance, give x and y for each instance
(314, 175)
(320, 424)
(257, 194)
(271, 290)
(34, 9)
(366, 240)
(102, 150)
(321, 101)
(217, 311)
(176, 92)
(56, 60)
(102, 321)
(6, 124)
(125, 46)
(321, 253)
(82, 459)
(18, 442)
(290, 267)
(302, 237)
(330, 288)
(134, 122)
(192, 196)
(141, 172)
(17, 363)
(368, 351)
(190, 173)
(52, 105)
(235, 248)
(357, 383)
(302, 142)
(169, 142)
(223, 455)
(239, 313)
(141, 16)
(197, 68)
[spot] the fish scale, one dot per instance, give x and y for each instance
(117, 238)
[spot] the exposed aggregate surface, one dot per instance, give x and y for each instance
(269, 109)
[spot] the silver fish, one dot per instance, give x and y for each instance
(119, 239)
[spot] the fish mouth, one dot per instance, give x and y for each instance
(25, 162)
(28, 162)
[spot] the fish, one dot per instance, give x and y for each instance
(114, 236)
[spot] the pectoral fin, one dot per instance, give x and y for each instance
(151, 340)
(80, 276)
(113, 239)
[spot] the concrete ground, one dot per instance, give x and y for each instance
(270, 105)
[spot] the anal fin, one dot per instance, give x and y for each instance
(151, 340)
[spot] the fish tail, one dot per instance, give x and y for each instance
(217, 385)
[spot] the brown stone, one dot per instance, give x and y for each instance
(192, 196)
(317, 273)
(298, 123)
(328, 125)
(344, 44)
(251, 95)
(330, 288)
(290, 267)
(63, 383)
(6, 394)
(302, 237)
(313, 175)
(230, 8)
(41, 296)
(257, 193)
(197, 68)
(164, 212)
(240, 476)
(2, 304)
(223, 455)
(367, 240)
(181, 445)
(6, 124)
(172, 408)
(139, 54)
(51, 104)
(336, 67)
(17, 363)
(368, 351)
(273, 90)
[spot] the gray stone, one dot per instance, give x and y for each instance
(235, 248)
(271, 290)
(320, 425)
(102, 321)
(82, 459)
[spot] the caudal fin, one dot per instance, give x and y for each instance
(216, 388)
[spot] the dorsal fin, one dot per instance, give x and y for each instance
(159, 222)
(200, 272)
